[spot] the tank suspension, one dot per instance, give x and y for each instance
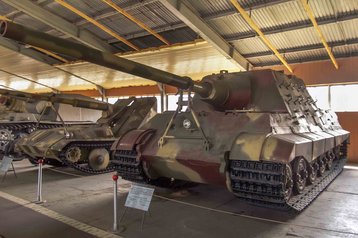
(287, 186)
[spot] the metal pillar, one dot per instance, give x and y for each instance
(115, 202)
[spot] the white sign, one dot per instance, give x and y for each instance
(5, 164)
(139, 197)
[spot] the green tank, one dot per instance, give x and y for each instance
(86, 147)
(259, 133)
(22, 113)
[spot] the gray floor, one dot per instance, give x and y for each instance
(198, 211)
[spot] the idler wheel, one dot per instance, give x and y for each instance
(73, 154)
(312, 172)
(300, 175)
(288, 183)
(98, 159)
(322, 165)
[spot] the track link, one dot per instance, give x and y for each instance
(83, 165)
(131, 169)
(128, 167)
(262, 183)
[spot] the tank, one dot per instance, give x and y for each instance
(259, 133)
(23, 113)
(86, 147)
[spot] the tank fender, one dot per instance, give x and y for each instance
(247, 146)
(131, 139)
(284, 148)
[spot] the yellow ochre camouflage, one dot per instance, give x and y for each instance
(258, 133)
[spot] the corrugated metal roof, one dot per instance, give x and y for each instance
(182, 60)
(290, 28)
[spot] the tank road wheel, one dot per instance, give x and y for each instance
(322, 165)
(312, 172)
(98, 159)
(73, 154)
(288, 183)
(329, 160)
(300, 175)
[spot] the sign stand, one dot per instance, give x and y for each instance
(39, 183)
(138, 198)
(5, 164)
(115, 202)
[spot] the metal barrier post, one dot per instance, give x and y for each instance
(115, 202)
(39, 182)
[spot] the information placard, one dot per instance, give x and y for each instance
(5, 164)
(139, 197)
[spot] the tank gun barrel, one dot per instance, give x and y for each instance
(81, 52)
(74, 99)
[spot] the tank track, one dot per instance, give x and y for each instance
(128, 167)
(261, 183)
(83, 165)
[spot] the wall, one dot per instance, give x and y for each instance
(70, 113)
(349, 121)
(323, 72)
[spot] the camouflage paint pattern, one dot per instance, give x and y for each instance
(275, 120)
(21, 113)
(124, 115)
(262, 116)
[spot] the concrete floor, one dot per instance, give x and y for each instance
(198, 211)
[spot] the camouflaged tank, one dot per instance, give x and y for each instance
(22, 113)
(258, 133)
(86, 147)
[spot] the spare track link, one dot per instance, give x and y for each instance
(128, 167)
(261, 183)
(83, 165)
(29, 125)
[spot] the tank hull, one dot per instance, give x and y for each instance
(260, 155)
(86, 148)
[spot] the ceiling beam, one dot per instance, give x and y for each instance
(325, 20)
(59, 24)
(187, 14)
(206, 18)
(319, 32)
(109, 12)
(96, 23)
(34, 54)
(239, 36)
(309, 59)
(51, 54)
(136, 21)
(30, 80)
(254, 26)
(6, 87)
(42, 58)
(302, 48)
